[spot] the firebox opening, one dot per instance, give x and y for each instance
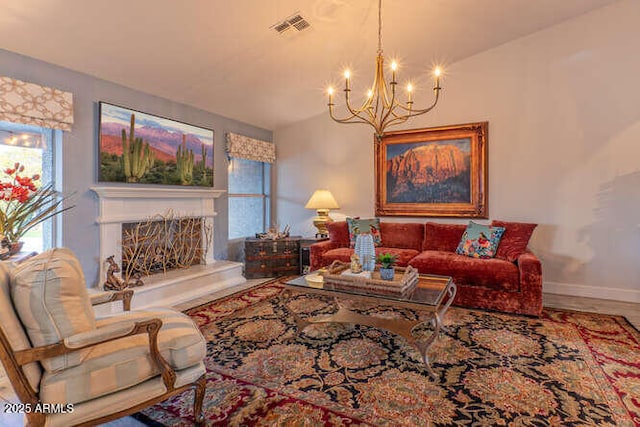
(162, 243)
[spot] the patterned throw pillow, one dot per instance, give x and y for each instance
(366, 225)
(480, 241)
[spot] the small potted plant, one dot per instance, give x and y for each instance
(387, 261)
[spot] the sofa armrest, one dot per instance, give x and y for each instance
(317, 250)
(530, 270)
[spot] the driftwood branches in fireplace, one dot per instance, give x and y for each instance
(164, 242)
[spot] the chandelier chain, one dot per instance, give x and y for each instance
(379, 26)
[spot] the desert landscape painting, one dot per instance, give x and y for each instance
(136, 147)
(429, 172)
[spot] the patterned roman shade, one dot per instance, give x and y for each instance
(243, 147)
(32, 104)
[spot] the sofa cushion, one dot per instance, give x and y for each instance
(179, 345)
(480, 241)
(402, 235)
(442, 237)
(490, 273)
(12, 328)
(514, 240)
(123, 363)
(364, 225)
(338, 254)
(339, 233)
(51, 299)
(403, 256)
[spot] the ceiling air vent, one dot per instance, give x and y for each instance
(296, 21)
(282, 27)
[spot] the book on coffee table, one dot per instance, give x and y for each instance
(339, 276)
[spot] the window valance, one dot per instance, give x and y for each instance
(243, 147)
(32, 104)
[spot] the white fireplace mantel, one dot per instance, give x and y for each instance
(150, 193)
(129, 204)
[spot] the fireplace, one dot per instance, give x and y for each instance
(191, 210)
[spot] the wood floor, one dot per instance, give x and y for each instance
(629, 310)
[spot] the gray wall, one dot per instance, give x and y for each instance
(564, 143)
(80, 147)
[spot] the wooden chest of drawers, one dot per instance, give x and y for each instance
(271, 258)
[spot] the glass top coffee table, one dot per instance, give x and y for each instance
(432, 295)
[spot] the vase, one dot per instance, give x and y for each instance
(387, 273)
(13, 248)
(366, 251)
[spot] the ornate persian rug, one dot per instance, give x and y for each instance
(566, 368)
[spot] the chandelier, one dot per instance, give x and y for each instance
(381, 108)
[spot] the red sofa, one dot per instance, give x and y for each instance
(510, 282)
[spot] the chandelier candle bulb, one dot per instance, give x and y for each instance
(382, 109)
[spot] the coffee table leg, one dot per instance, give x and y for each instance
(284, 298)
(423, 344)
(436, 322)
(451, 292)
(302, 323)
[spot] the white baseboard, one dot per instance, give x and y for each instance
(615, 294)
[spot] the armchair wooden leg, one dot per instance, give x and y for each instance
(198, 399)
(127, 294)
(35, 419)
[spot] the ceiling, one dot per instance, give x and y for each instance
(223, 56)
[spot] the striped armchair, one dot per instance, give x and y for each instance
(85, 370)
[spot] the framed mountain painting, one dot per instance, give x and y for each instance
(137, 147)
(436, 172)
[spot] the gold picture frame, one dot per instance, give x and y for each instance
(433, 172)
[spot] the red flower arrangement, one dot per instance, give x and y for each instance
(23, 205)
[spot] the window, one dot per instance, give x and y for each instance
(30, 146)
(249, 197)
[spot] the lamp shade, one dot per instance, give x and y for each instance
(322, 199)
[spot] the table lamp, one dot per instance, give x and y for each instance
(322, 201)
